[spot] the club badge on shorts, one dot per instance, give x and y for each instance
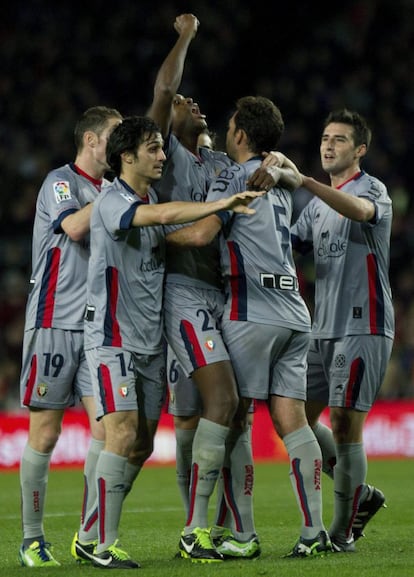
(123, 391)
(209, 344)
(41, 389)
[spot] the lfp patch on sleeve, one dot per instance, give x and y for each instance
(62, 190)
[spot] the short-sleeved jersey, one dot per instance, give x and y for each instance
(125, 275)
(352, 289)
(256, 256)
(59, 265)
(187, 177)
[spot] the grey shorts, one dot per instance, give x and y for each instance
(54, 372)
(184, 398)
(127, 381)
(348, 372)
(267, 359)
(192, 325)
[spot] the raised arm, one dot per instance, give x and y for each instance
(170, 74)
(352, 207)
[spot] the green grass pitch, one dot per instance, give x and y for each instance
(153, 518)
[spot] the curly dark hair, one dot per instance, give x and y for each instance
(262, 122)
(127, 137)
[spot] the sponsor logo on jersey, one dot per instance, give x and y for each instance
(41, 389)
(62, 191)
(154, 263)
(123, 390)
(209, 344)
(330, 248)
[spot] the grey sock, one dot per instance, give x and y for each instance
(305, 474)
(208, 457)
(110, 475)
(184, 454)
(327, 444)
(34, 470)
(88, 531)
(350, 474)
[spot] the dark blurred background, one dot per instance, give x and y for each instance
(59, 58)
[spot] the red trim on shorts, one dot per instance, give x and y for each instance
(354, 382)
(192, 345)
(30, 381)
(107, 395)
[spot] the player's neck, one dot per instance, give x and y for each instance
(90, 167)
(136, 184)
(189, 142)
(242, 156)
(340, 178)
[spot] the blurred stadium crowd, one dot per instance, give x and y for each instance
(56, 61)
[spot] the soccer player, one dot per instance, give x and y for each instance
(193, 308)
(266, 324)
(348, 225)
(123, 326)
(54, 369)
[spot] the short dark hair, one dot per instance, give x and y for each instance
(361, 132)
(262, 122)
(127, 137)
(94, 119)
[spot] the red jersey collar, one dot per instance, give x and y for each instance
(355, 177)
(97, 182)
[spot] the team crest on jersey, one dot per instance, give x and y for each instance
(62, 190)
(41, 389)
(209, 344)
(123, 391)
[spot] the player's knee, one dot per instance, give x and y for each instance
(45, 438)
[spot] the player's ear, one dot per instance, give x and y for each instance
(361, 150)
(240, 135)
(90, 138)
(127, 157)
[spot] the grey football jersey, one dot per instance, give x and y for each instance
(59, 265)
(125, 276)
(256, 256)
(352, 289)
(187, 177)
